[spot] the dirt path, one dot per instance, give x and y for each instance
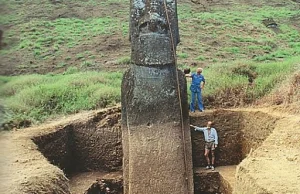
(24, 169)
(8, 159)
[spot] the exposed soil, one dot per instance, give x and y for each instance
(274, 166)
(93, 145)
(239, 132)
(242, 134)
(96, 182)
(264, 143)
(25, 170)
(205, 181)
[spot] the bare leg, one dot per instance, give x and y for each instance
(213, 157)
(206, 153)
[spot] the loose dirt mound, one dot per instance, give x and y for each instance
(25, 170)
(275, 166)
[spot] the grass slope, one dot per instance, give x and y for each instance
(82, 49)
(44, 37)
(34, 98)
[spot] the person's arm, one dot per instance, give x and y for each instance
(202, 83)
(198, 128)
(216, 139)
(189, 75)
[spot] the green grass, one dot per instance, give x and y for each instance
(222, 36)
(222, 78)
(38, 97)
(200, 58)
(182, 55)
(124, 60)
(41, 36)
(45, 36)
(238, 29)
(241, 32)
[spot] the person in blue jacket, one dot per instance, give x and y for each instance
(196, 87)
(211, 143)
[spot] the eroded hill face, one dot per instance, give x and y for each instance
(51, 36)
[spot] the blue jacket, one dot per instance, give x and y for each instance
(196, 81)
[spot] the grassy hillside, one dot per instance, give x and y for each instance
(42, 36)
(74, 52)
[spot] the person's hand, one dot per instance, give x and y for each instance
(192, 126)
(216, 145)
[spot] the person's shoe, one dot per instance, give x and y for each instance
(212, 168)
(207, 167)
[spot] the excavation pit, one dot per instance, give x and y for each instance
(91, 149)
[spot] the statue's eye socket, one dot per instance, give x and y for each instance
(143, 25)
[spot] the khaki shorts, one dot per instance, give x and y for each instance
(210, 145)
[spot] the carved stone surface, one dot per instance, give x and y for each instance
(156, 148)
(150, 32)
(157, 158)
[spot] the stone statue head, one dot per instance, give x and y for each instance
(151, 24)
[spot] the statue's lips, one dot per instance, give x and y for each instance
(161, 36)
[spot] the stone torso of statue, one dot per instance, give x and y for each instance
(155, 131)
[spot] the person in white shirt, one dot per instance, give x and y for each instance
(211, 143)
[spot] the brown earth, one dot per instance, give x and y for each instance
(269, 166)
(274, 166)
(205, 181)
(238, 131)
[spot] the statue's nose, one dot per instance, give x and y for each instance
(153, 25)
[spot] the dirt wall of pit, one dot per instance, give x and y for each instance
(238, 132)
(274, 167)
(95, 144)
(90, 145)
(57, 147)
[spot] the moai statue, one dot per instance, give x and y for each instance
(157, 156)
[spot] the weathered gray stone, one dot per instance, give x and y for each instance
(150, 32)
(156, 145)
